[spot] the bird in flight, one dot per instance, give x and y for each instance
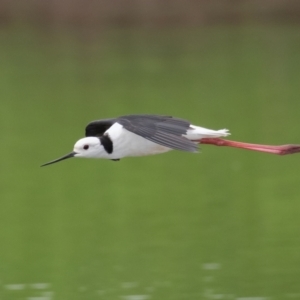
(141, 135)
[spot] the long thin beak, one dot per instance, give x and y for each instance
(72, 154)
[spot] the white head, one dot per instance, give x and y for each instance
(89, 147)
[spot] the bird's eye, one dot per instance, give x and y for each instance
(85, 147)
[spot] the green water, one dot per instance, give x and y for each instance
(222, 224)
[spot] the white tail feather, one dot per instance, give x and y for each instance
(200, 132)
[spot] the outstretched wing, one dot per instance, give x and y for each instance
(163, 130)
(97, 128)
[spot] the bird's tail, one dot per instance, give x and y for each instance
(197, 133)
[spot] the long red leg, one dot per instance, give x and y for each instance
(280, 150)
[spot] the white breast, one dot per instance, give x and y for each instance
(126, 143)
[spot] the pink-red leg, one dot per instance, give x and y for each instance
(280, 150)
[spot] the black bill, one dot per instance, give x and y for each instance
(72, 154)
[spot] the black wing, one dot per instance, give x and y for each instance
(163, 130)
(97, 128)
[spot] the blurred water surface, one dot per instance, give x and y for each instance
(222, 224)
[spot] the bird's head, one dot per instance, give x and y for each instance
(89, 147)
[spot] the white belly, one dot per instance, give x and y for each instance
(126, 143)
(131, 144)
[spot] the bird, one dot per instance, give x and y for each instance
(146, 134)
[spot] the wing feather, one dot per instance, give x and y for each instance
(163, 130)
